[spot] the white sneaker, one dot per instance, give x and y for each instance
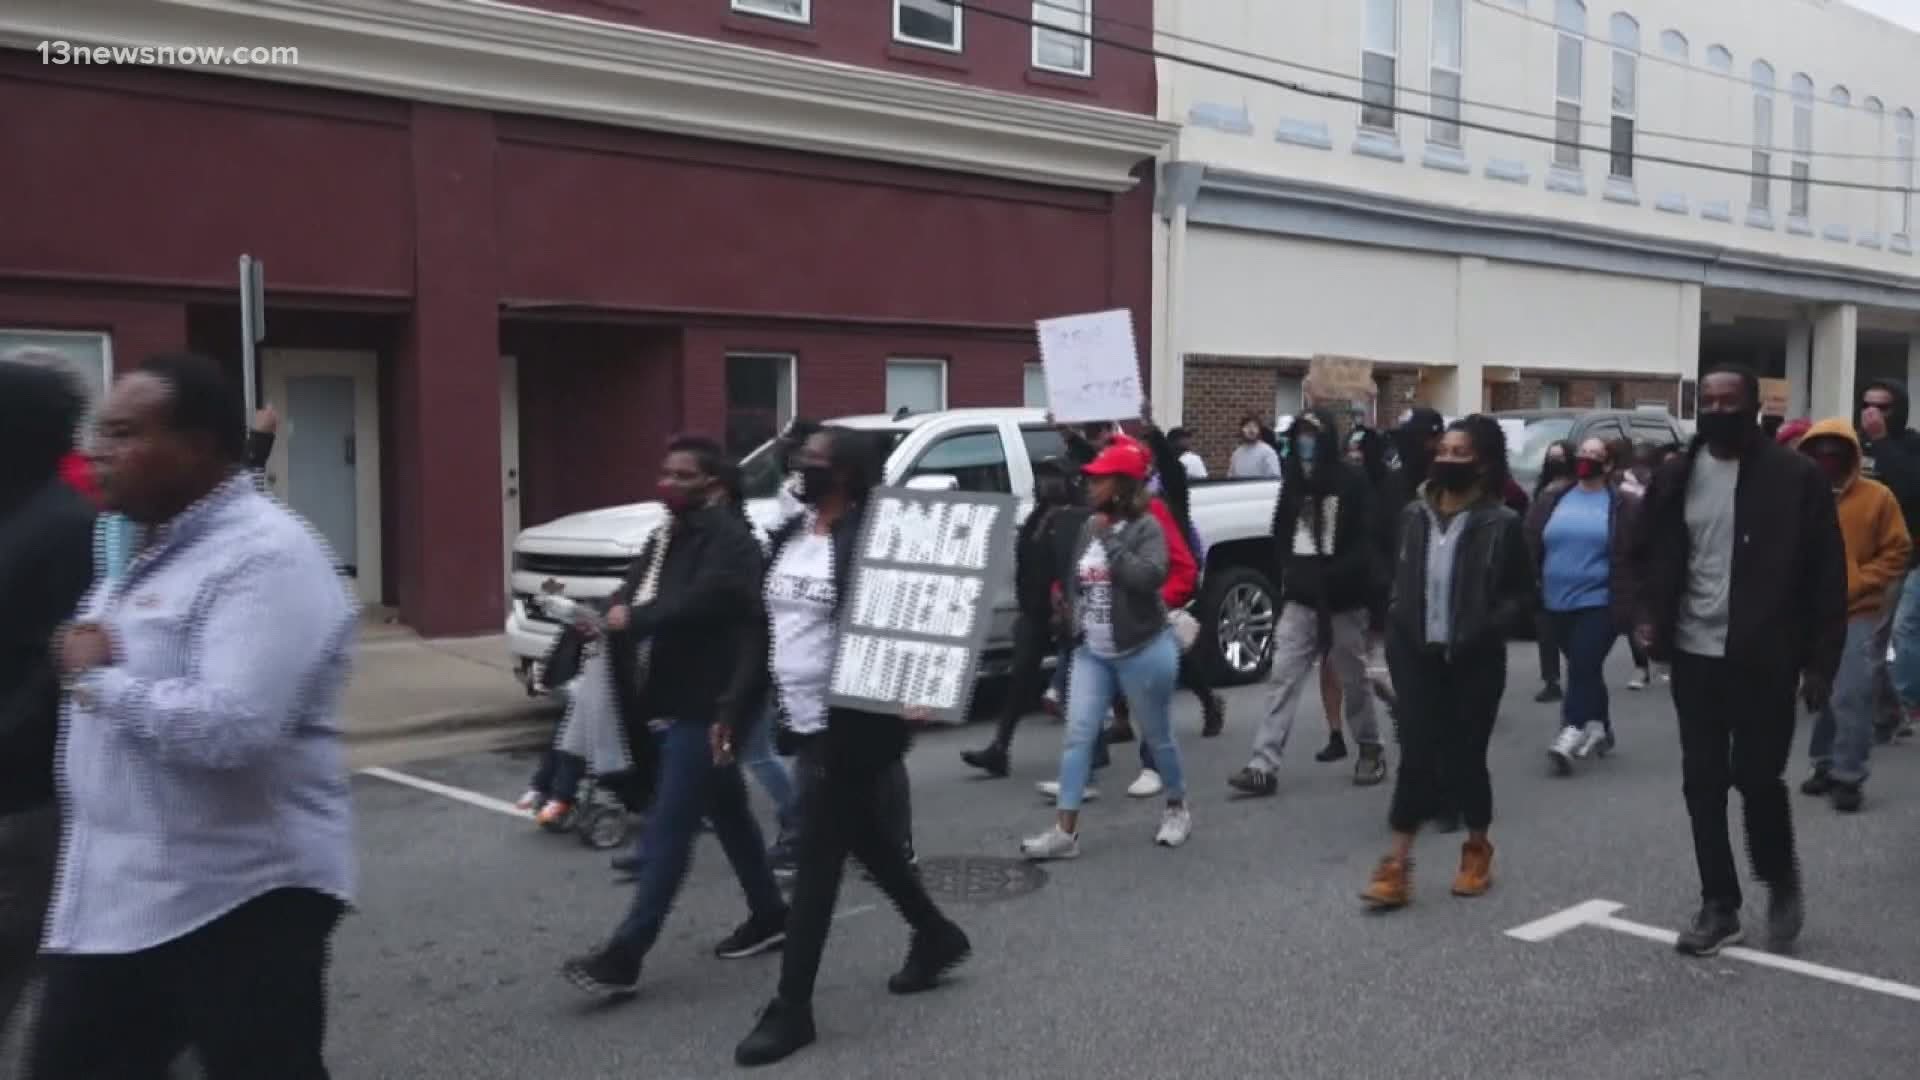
(529, 802)
(1055, 843)
(1562, 751)
(1175, 826)
(1595, 739)
(1146, 785)
(1050, 790)
(1640, 680)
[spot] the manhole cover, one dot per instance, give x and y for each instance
(979, 879)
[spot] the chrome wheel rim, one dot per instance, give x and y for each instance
(1245, 629)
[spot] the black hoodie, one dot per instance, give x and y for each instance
(46, 564)
(1324, 551)
(1894, 460)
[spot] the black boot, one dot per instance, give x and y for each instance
(1213, 714)
(931, 955)
(1335, 749)
(784, 1029)
(991, 759)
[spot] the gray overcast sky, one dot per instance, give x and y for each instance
(1904, 12)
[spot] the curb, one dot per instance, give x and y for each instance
(451, 721)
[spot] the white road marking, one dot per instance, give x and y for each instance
(1601, 913)
(471, 798)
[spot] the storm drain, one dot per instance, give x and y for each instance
(979, 879)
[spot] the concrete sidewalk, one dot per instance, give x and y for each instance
(406, 687)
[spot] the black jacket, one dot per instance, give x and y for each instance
(1339, 573)
(1493, 578)
(1787, 602)
(705, 618)
(1895, 460)
(1037, 554)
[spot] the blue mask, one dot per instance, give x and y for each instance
(1304, 446)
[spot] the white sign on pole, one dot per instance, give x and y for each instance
(1092, 367)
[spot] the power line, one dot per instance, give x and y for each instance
(1399, 110)
(1729, 144)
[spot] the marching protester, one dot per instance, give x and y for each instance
(1324, 552)
(1123, 644)
(1890, 454)
(845, 757)
(1187, 558)
(207, 679)
(1878, 549)
(45, 566)
(680, 650)
(1743, 589)
(1255, 456)
(1462, 578)
(1581, 535)
(1556, 465)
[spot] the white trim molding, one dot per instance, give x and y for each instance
(488, 55)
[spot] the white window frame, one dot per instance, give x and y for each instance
(1903, 162)
(1441, 105)
(1050, 19)
(1392, 105)
(793, 384)
(1553, 390)
(1566, 155)
(1760, 193)
(1289, 395)
(920, 362)
(1028, 373)
(1625, 30)
(1800, 187)
(751, 7)
(959, 30)
(45, 339)
(1603, 397)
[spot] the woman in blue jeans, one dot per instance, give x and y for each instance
(1580, 531)
(1119, 626)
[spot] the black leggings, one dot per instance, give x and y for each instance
(844, 811)
(1445, 719)
(1032, 643)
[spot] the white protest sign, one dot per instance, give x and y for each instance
(1092, 367)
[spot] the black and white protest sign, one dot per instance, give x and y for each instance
(924, 579)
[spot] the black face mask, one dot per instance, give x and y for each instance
(816, 483)
(1728, 430)
(1454, 476)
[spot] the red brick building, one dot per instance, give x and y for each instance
(510, 249)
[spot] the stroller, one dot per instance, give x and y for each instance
(613, 784)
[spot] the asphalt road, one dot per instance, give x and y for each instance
(1243, 953)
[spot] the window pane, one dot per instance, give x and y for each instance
(1802, 190)
(1566, 135)
(1043, 443)
(1377, 90)
(977, 459)
(1622, 158)
(1447, 33)
(933, 21)
(916, 386)
(1383, 27)
(1549, 395)
(1802, 128)
(1567, 81)
(1626, 72)
(1063, 49)
(1762, 194)
(790, 9)
(1763, 120)
(759, 400)
(1288, 396)
(1446, 107)
(1571, 14)
(1033, 390)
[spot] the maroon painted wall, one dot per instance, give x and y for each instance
(996, 53)
(138, 328)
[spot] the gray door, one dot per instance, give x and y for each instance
(320, 460)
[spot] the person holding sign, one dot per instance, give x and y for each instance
(1119, 623)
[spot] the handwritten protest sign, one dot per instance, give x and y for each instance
(1092, 367)
(1343, 384)
(1775, 395)
(922, 601)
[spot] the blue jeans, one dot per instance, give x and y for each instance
(1843, 732)
(756, 756)
(1146, 676)
(1585, 636)
(689, 788)
(1906, 644)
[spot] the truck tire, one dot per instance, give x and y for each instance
(1238, 611)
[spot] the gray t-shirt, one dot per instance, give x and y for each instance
(1443, 556)
(1702, 628)
(1253, 459)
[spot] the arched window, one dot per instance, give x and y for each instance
(1761, 197)
(1626, 91)
(1903, 168)
(1720, 58)
(1841, 97)
(1571, 17)
(1883, 209)
(1674, 44)
(1800, 192)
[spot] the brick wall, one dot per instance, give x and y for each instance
(1583, 391)
(1220, 390)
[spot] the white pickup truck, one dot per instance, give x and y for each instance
(991, 450)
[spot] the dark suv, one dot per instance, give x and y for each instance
(1544, 427)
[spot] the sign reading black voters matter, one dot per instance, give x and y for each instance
(924, 579)
(1092, 367)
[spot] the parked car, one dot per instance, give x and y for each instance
(583, 555)
(1544, 427)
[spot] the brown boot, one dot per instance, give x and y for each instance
(1476, 868)
(1391, 885)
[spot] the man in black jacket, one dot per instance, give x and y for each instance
(1890, 454)
(1743, 588)
(46, 562)
(1326, 557)
(678, 646)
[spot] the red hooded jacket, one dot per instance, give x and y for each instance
(78, 474)
(1183, 574)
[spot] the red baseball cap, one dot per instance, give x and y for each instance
(1122, 457)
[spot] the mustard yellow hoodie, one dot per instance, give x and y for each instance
(1871, 523)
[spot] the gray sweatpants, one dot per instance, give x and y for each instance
(1295, 652)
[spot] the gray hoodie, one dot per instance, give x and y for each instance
(1137, 560)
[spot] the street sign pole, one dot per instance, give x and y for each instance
(253, 325)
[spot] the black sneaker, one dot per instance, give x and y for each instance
(930, 956)
(1549, 694)
(754, 937)
(1252, 781)
(1847, 797)
(627, 865)
(991, 759)
(1371, 769)
(609, 973)
(1213, 713)
(1713, 929)
(782, 1030)
(1335, 749)
(1786, 914)
(1820, 783)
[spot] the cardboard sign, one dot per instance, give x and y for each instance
(1092, 367)
(1340, 379)
(924, 578)
(1775, 396)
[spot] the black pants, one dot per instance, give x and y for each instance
(1736, 730)
(1445, 721)
(1543, 636)
(1032, 643)
(843, 811)
(247, 992)
(29, 848)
